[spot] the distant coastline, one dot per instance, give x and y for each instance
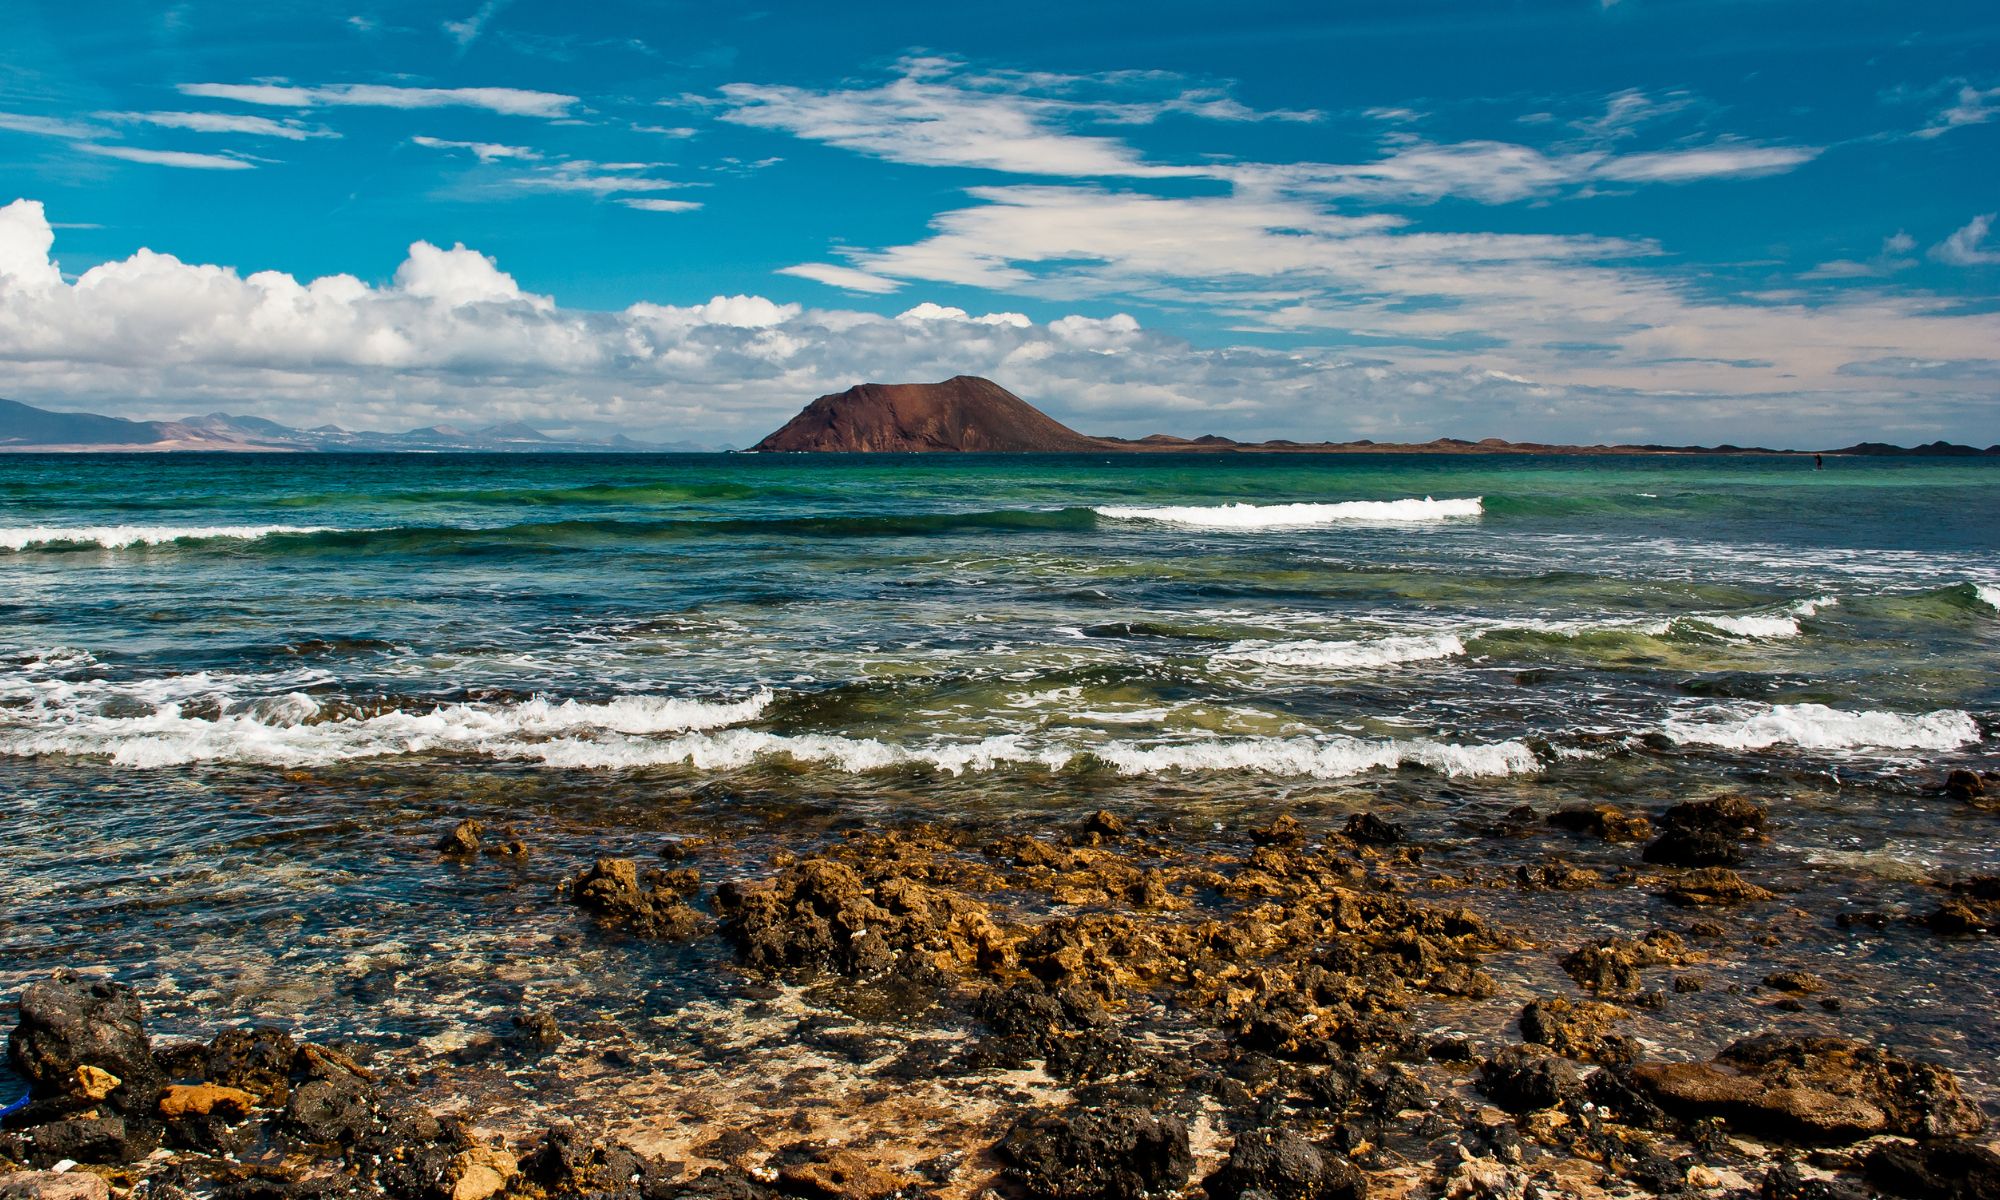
(964, 415)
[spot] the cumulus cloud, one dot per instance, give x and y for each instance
(1967, 247)
(513, 102)
(453, 337)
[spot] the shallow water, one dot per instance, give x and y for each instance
(239, 697)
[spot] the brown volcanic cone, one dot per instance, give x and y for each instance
(964, 413)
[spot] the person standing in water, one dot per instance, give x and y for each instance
(1819, 463)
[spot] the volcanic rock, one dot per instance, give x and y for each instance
(68, 1023)
(964, 413)
(1088, 1154)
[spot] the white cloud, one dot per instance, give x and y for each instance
(167, 158)
(515, 102)
(486, 152)
(467, 31)
(1967, 247)
(1974, 106)
(206, 122)
(845, 278)
(661, 206)
(45, 126)
(452, 337)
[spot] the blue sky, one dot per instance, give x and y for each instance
(1758, 222)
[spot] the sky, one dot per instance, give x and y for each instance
(1760, 222)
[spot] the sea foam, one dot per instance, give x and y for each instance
(1818, 727)
(119, 537)
(1347, 656)
(1294, 516)
(1989, 595)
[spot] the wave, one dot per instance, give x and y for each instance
(1818, 727)
(1293, 516)
(296, 729)
(119, 537)
(1784, 624)
(1988, 594)
(1347, 656)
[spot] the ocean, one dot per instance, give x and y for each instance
(240, 695)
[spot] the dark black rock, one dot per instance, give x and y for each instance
(1282, 1165)
(1371, 830)
(1527, 1078)
(1943, 1170)
(108, 1139)
(68, 1022)
(259, 1060)
(329, 1112)
(1086, 1154)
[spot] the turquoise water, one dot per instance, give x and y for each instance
(237, 694)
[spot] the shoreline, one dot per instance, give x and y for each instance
(1098, 1005)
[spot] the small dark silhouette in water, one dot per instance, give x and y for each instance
(1819, 462)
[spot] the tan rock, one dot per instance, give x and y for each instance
(205, 1099)
(481, 1172)
(53, 1185)
(841, 1175)
(95, 1083)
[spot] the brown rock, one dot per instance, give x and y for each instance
(480, 1172)
(53, 1185)
(1606, 821)
(205, 1099)
(462, 841)
(1714, 887)
(95, 1083)
(840, 1174)
(612, 888)
(1576, 1028)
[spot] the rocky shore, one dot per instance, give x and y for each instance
(1111, 1007)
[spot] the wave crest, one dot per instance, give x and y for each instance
(1347, 656)
(120, 537)
(1242, 515)
(1818, 727)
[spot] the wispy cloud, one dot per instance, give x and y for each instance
(486, 152)
(1973, 106)
(46, 126)
(1967, 247)
(661, 206)
(467, 31)
(207, 122)
(167, 158)
(513, 102)
(845, 278)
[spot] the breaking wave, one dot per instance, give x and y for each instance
(119, 537)
(1347, 656)
(1817, 727)
(1293, 516)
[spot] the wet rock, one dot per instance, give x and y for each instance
(1787, 1182)
(509, 846)
(1103, 824)
(1485, 1178)
(258, 1060)
(1713, 887)
(1612, 965)
(462, 841)
(840, 1174)
(1606, 821)
(68, 1023)
(53, 1185)
(1814, 1089)
(1284, 830)
(1526, 1078)
(1947, 1170)
(823, 915)
(1965, 786)
(1371, 830)
(1282, 1165)
(1577, 1029)
(613, 889)
(109, 1138)
(1558, 877)
(567, 1161)
(1706, 833)
(1797, 982)
(329, 1112)
(205, 1099)
(536, 1030)
(1956, 918)
(1087, 1154)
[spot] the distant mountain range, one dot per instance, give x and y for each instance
(967, 414)
(26, 428)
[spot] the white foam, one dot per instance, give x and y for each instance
(1988, 594)
(1347, 656)
(119, 537)
(1818, 727)
(1768, 625)
(282, 730)
(1335, 758)
(1280, 516)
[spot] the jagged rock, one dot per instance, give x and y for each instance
(109, 1138)
(1484, 1178)
(1086, 1154)
(462, 841)
(1965, 786)
(821, 915)
(1716, 887)
(1612, 965)
(1371, 830)
(1786, 1182)
(1706, 833)
(1527, 1078)
(259, 1060)
(329, 1112)
(1282, 1165)
(1577, 1029)
(1799, 982)
(840, 1174)
(612, 889)
(69, 1023)
(1606, 821)
(566, 1161)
